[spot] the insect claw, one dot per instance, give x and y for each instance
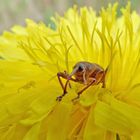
(75, 99)
(59, 98)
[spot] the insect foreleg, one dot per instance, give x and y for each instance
(65, 76)
(59, 98)
(60, 74)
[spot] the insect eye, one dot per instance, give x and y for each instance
(80, 68)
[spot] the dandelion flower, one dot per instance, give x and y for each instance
(31, 57)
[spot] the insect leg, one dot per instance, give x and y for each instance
(103, 86)
(65, 88)
(103, 78)
(93, 80)
(60, 74)
(65, 76)
(59, 98)
(69, 82)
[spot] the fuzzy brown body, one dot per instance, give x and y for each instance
(85, 73)
(92, 70)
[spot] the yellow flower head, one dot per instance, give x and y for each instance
(31, 57)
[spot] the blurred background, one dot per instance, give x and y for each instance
(16, 11)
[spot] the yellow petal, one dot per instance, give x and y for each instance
(59, 122)
(108, 118)
(77, 122)
(17, 76)
(136, 135)
(90, 96)
(33, 133)
(40, 108)
(132, 113)
(92, 131)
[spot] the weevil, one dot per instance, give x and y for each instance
(86, 73)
